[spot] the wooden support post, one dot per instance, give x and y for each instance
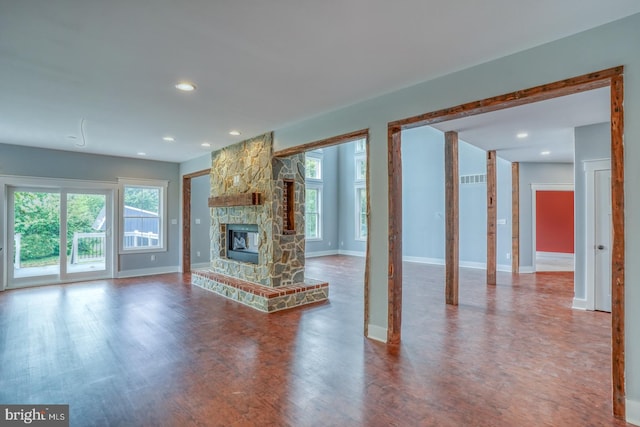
(617, 253)
(394, 315)
(515, 218)
(452, 235)
(492, 217)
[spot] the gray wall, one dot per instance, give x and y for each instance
(536, 173)
(596, 49)
(39, 162)
(423, 201)
(591, 143)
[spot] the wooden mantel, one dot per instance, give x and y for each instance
(245, 199)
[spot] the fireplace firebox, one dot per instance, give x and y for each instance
(242, 242)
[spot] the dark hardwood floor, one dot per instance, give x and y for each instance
(156, 351)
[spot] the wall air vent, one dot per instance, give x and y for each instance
(473, 179)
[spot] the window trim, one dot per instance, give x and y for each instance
(319, 187)
(360, 159)
(358, 213)
(163, 186)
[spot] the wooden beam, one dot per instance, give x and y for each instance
(569, 86)
(394, 317)
(328, 142)
(452, 215)
(244, 199)
(617, 253)
(492, 216)
(515, 218)
(186, 217)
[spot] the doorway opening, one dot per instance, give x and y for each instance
(611, 78)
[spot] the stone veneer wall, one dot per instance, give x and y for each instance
(249, 167)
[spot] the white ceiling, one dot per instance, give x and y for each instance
(258, 65)
(549, 125)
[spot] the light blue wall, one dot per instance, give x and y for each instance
(603, 47)
(423, 194)
(473, 205)
(423, 201)
(200, 212)
(39, 162)
(503, 243)
(591, 143)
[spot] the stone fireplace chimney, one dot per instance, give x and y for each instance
(252, 190)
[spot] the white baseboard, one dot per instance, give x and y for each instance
(463, 264)
(579, 304)
(423, 260)
(633, 412)
(198, 265)
(505, 268)
(320, 253)
(554, 255)
(352, 253)
(147, 271)
(377, 333)
(526, 269)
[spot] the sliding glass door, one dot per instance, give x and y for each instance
(58, 235)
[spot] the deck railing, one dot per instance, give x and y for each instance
(88, 247)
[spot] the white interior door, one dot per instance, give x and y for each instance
(603, 238)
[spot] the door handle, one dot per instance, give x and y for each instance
(601, 247)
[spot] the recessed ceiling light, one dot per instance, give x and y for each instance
(141, 153)
(522, 135)
(545, 153)
(168, 138)
(186, 86)
(206, 144)
(234, 132)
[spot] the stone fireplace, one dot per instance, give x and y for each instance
(257, 228)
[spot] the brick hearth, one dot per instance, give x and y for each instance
(261, 297)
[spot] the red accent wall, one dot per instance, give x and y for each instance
(554, 221)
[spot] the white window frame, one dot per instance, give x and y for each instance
(315, 156)
(163, 221)
(358, 212)
(360, 161)
(314, 186)
(360, 145)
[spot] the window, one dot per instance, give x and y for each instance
(143, 211)
(361, 212)
(313, 195)
(361, 145)
(361, 168)
(313, 167)
(360, 177)
(313, 203)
